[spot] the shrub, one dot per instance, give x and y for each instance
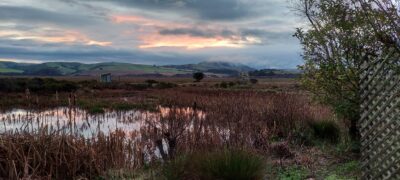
(254, 81)
(198, 76)
(225, 164)
(235, 164)
(326, 130)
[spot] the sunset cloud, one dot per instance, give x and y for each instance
(196, 42)
(55, 37)
(187, 36)
(150, 31)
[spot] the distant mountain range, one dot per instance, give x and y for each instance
(121, 69)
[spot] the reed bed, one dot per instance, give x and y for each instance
(44, 155)
(188, 120)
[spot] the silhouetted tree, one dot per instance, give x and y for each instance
(198, 76)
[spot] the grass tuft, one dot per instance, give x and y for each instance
(326, 131)
(225, 164)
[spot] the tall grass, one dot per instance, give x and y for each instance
(60, 156)
(194, 120)
(221, 164)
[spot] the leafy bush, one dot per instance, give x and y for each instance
(326, 130)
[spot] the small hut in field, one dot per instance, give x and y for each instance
(105, 78)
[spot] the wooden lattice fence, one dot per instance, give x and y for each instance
(380, 121)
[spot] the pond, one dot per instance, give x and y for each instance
(78, 122)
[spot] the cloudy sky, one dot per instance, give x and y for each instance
(253, 32)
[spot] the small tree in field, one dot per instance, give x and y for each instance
(198, 76)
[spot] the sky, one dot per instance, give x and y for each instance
(257, 33)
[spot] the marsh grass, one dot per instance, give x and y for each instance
(223, 164)
(197, 120)
(44, 155)
(232, 164)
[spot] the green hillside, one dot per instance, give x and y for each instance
(117, 68)
(215, 67)
(9, 70)
(74, 68)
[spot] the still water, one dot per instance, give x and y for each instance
(79, 122)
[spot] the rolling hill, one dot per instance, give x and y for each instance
(127, 69)
(74, 68)
(215, 67)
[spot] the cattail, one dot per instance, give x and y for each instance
(27, 94)
(57, 96)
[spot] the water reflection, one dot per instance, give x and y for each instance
(79, 122)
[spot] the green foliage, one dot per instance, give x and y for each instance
(348, 168)
(224, 164)
(346, 171)
(344, 39)
(293, 173)
(326, 130)
(333, 50)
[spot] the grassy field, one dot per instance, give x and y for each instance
(270, 129)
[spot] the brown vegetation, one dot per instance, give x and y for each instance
(193, 119)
